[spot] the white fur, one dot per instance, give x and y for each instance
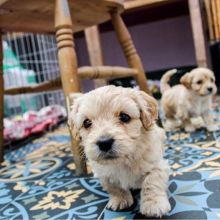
(138, 146)
(189, 105)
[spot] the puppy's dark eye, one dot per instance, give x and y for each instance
(87, 123)
(212, 80)
(199, 82)
(123, 117)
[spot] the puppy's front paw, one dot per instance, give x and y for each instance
(197, 122)
(212, 128)
(190, 128)
(155, 207)
(172, 125)
(118, 203)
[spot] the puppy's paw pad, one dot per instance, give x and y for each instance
(212, 128)
(116, 203)
(156, 207)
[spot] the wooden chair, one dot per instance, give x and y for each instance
(70, 73)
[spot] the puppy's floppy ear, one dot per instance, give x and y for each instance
(186, 80)
(73, 103)
(148, 108)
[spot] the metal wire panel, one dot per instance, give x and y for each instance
(28, 59)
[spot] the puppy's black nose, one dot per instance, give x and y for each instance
(210, 89)
(105, 143)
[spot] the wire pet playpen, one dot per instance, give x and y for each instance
(30, 59)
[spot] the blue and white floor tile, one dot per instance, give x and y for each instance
(38, 180)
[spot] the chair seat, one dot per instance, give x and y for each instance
(38, 15)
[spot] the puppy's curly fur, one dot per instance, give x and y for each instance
(189, 104)
(135, 158)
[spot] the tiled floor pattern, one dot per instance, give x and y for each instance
(38, 182)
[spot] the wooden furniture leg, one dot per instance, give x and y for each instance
(199, 37)
(95, 51)
(1, 101)
(129, 49)
(68, 68)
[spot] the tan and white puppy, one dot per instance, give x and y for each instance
(189, 104)
(116, 127)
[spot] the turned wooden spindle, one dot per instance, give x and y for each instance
(66, 51)
(94, 47)
(51, 85)
(1, 101)
(129, 49)
(68, 68)
(105, 72)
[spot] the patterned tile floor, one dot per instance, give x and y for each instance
(38, 182)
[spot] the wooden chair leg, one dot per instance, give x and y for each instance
(95, 51)
(68, 67)
(199, 37)
(129, 49)
(1, 101)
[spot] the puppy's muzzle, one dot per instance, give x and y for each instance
(105, 143)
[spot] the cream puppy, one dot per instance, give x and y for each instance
(116, 127)
(189, 104)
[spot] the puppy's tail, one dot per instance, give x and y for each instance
(164, 82)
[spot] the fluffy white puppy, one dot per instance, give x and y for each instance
(116, 127)
(189, 104)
